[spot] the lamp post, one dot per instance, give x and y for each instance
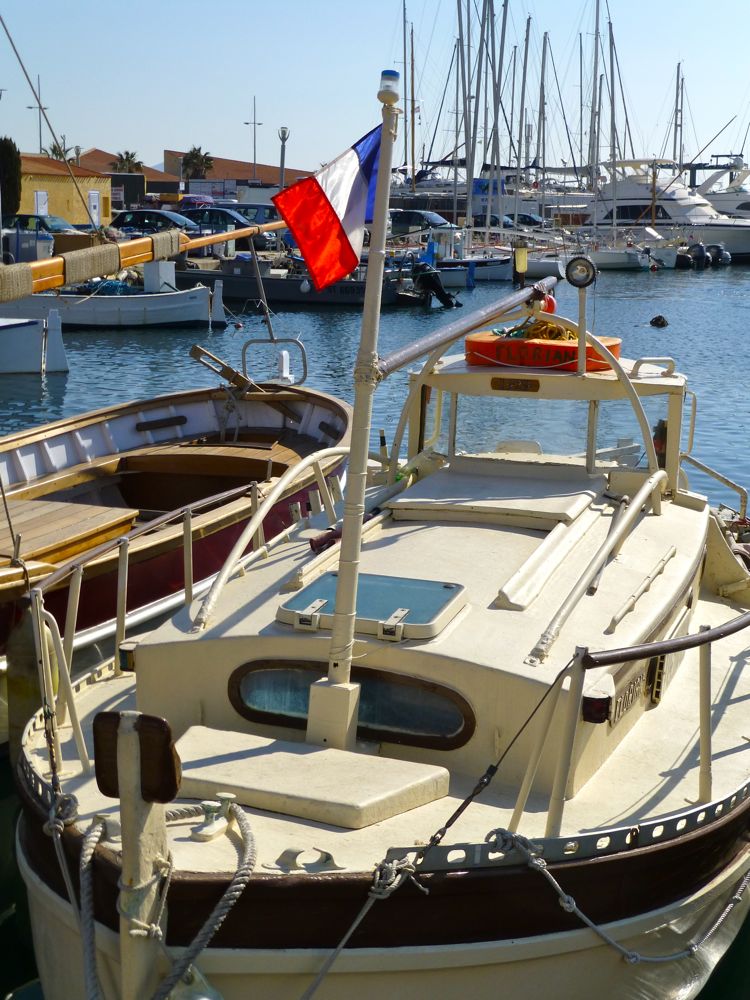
(255, 124)
(283, 135)
(39, 107)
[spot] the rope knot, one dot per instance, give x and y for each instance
(568, 904)
(632, 957)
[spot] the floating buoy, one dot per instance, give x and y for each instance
(659, 321)
(548, 304)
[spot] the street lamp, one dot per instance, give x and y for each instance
(283, 135)
(254, 123)
(38, 107)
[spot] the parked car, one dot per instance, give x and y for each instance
(194, 201)
(217, 219)
(38, 223)
(257, 214)
(145, 221)
(414, 220)
(530, 219)
(496, 221)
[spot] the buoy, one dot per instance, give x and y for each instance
(659, 321)
(548, 304)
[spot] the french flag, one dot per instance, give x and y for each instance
(327, 212)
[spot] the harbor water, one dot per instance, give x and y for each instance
(707, 315)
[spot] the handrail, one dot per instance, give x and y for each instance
(614, 538)
(142, 529)
(740, 490)
(252, 526)
(678, 644)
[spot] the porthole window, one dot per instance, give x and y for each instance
(393, 708)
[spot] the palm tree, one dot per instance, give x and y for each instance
(127, 163)
(196, 163)
(59, 150)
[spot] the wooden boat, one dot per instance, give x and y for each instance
(142, 475)
(510, 760)
(478, 732)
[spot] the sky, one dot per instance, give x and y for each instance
(145, 76)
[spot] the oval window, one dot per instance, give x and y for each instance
(393, 708)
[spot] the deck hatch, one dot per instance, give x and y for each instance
(390, 607)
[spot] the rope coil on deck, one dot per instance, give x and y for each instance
(16, 282)
(80, 265)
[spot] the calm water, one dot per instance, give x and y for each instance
(707, 336)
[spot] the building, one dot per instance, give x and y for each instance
(234, 178)
(47, 183)
(130, 189)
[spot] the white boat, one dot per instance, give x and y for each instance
(530, 782)
(651, 193)
(109, 303)
(479, 732)
(31, 346)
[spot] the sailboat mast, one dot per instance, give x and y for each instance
(521, 118)
(612, 128)
(580, 97)
(542, 103)
(594, 124)
(677, 139)
(411, 119)
(406, 95)
(497, 91)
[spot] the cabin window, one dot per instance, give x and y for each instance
(393, 708)
(638, 213)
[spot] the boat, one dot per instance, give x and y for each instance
(31, 346)
(542, 790)
(477, 731)
(120, 487)
(652, 193)
(118, 303)
(285, 281)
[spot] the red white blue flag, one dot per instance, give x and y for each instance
(327, 212)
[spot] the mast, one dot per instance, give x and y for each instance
(406, 95)
(678, 98)
(334, 700)
(455, 140)
(580, 97)
(511, 149)
(612, 130)
(594, 124)
(471, 159)
(542, 103)
(496, 94)
(521, 109)
(411, 119)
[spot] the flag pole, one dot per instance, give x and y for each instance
(334, 700)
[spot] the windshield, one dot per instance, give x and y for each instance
(557, 429)
(55, 224)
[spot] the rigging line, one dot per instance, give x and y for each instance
(442, 101)
(46, 118)
(564, 118)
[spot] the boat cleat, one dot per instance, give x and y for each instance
(216, 817)
(295, 859)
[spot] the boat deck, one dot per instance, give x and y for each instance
(656, 774)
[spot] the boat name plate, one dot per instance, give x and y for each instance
(515, 384)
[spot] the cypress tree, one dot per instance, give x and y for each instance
(10, 176)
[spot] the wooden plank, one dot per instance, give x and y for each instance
(48, 527)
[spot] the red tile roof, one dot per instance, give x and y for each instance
(228, 170)
(101, 160)
(33, 163)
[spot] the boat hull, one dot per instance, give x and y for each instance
(432, 954)
(192, 307)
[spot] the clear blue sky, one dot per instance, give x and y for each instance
(145, 76)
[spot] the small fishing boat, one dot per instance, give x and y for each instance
(479, 731)
(134, 478)
(114, 303)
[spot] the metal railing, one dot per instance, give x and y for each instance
(585, 660)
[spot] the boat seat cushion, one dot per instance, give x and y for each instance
(337, 787)
(523, 500)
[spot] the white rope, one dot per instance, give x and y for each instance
(504, 840)
(218, 914)
(88, 927)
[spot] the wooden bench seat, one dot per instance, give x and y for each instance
(53, 530)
